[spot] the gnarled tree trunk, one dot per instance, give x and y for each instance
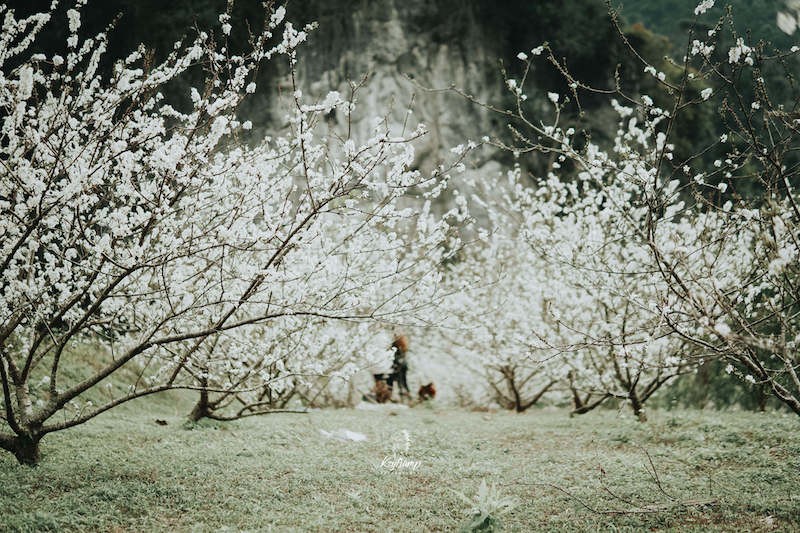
(24, 447)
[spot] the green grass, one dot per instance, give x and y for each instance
(123, 472)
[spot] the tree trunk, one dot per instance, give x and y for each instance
(202, 408)
(538, 396)
(638, 407)
(24, 448)
(785, 396)
(582, 406)
(762, 394)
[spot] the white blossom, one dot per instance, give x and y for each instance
(735, 53)
(722, 328)
(74, 19)
(703, 6)
(786, 22)
(25, 82)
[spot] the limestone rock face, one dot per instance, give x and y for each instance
(407, 72)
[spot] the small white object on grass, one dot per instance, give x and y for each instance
(343, 435)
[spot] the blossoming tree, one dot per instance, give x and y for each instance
(179, 246)
(682, 258)
(573, 308)
(743, 297)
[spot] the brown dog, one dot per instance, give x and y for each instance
(427, 392)
(382, 391)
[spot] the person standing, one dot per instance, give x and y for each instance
(400, 365)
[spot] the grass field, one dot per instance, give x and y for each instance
(123, 472)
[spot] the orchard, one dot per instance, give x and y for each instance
(205, 236)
